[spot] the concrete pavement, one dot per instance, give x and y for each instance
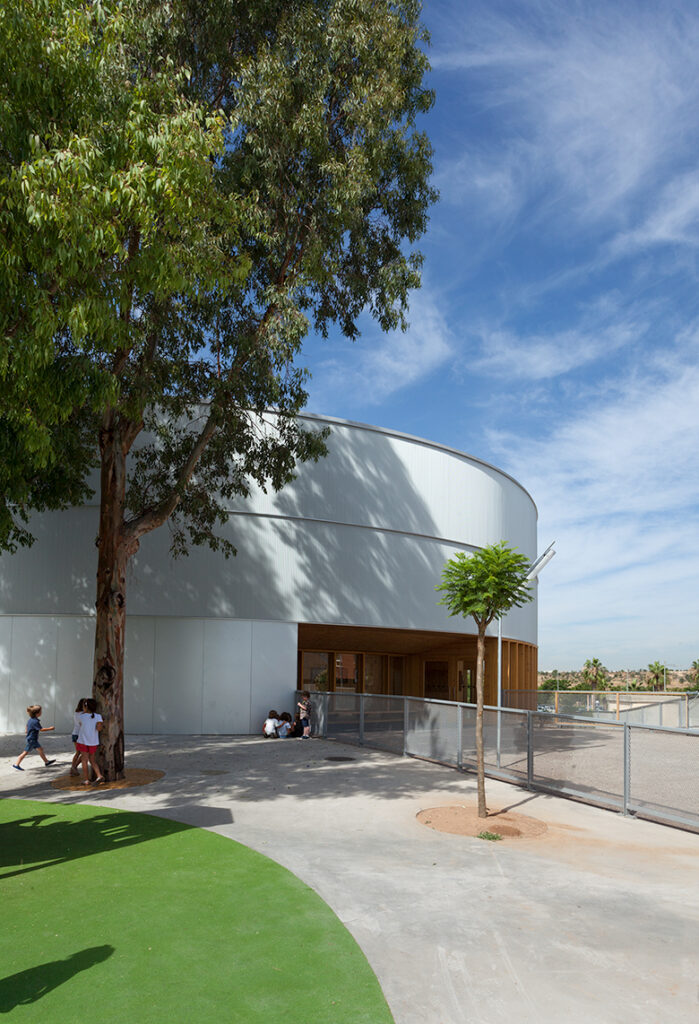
(596, 920)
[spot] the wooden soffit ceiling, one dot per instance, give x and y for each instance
(313, 637)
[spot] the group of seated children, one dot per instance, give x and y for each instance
(281, 726)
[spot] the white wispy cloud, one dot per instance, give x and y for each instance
(490, 186)
(379, 365)
(674, 219)
(605, 95)
(536, 357)
(617, 485)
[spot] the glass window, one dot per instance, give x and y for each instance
(316, 670)
(346, 672)
(374, 665)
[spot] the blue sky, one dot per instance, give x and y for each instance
(557, 331)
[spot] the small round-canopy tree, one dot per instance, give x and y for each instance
(484, 585)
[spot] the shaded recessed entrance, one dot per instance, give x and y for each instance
(441, 666)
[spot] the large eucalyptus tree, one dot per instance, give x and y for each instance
(187, 187)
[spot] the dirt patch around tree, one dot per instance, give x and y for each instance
(463, 820)
(132, 777)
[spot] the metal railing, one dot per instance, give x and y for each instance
(676, 710)
(646, 770)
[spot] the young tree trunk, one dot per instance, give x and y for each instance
(480, 759)
(113, 555)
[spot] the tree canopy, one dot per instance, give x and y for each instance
(187, 188)
(486, 584)
(656, 673)
(595, 674)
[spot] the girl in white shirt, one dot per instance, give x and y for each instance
(91, 725)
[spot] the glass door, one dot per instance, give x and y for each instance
(437, 680)
(346, 672)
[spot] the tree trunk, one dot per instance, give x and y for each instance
(113, 555)
(480, 759)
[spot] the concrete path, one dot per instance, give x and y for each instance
(597, 920)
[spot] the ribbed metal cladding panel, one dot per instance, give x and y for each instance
(374, 478)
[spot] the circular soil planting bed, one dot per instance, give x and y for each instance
(463, 820)
(133, 777)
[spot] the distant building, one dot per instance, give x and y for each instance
(333, 588)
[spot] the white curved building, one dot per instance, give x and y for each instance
(333, 588)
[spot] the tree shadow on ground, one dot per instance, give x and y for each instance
(45, 840)
(32, 984)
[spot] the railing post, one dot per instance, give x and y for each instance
(617, 707)
(686, 711)
(556, 702)
(530, 750)
(405, 726)
(661, 713)
(459, 737)
(627, 766)
(326, 712)
(361, 719)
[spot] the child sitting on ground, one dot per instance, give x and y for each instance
(284, 727)
(269, 729)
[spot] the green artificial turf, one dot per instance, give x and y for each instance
(114, 916)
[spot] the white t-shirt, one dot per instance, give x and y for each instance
(88, 729)
(270, 726)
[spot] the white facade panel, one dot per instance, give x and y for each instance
(57, 574)
(273, 681)
(33, 681)
(308, 572)
(139, 672)
(179, 656)
(5, 672)
(372, 477)
(227, 673)
(74, 659)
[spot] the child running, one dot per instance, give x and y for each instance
(34, 727)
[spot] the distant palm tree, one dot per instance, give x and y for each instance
(694, 672)
(594, 673)
(657, 673)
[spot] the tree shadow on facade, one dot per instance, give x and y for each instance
(370, 555)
